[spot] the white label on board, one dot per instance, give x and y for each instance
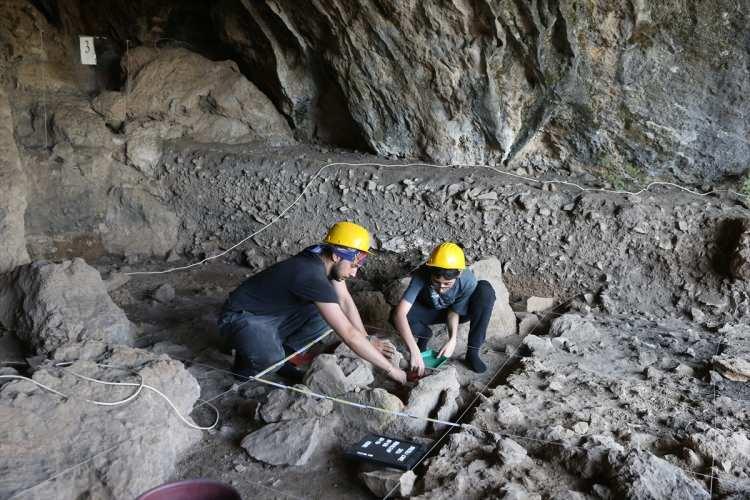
(88, 54)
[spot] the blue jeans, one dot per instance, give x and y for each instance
(481, 302)
(260, 341)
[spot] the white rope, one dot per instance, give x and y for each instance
(301, 350)
(316, 395)
(139, 387)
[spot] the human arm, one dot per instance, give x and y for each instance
(356, 339)
(404, 330)
(352, 313)
(451, 322)
(347, 304)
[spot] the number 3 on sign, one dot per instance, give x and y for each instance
(88, 53)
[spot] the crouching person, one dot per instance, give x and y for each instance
(444, 291)
(292, 303)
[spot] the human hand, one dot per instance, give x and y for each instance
(385, 347)
(398, 375)
(416, 363)
(448, 348)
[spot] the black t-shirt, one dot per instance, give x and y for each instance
(295, 282)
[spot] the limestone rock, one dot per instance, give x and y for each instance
(75, 122)
(503, 321)
(722, 446)
(371, 420)
(164, 293)
(514, 491)
(382, 482)
(734, 360)
(528, 324)
(538, 346)
(137, 223)
(641, 475)
(289, 442)
(737, 369)
(288, 405)
(211, 101)
(40, 435)
(49, 305)
(589, 459)
(12, 194)
(333, 376)
(111, 107)
(498, 104)
(144, 149)
(574, 328)
(510, 452)
(434, 396)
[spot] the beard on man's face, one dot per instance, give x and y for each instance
(337, 273)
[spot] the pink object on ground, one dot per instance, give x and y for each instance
(192, 489)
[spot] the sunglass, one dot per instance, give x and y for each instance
(360, 258)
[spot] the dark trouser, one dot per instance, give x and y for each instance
(420, 317)
(260, 341)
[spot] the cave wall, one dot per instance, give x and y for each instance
(636, 87)
(602, 91)
(623, 90)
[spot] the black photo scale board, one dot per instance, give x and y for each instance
(387, 451)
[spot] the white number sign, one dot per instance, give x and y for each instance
(88, 54)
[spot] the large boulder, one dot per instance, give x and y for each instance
(641, 475)
(12, 194)
(289, 442)
(209, 101)
(332, 375)
(136, 445)
(49, 305)
(284, 404)
(138, 223)
(575, 329)
(503, 321)
(74, 121)
(434, 396)
(354, 417)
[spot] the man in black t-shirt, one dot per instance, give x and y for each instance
(293, 302)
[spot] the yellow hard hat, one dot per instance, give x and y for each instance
(350, 235)
(447, 255)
